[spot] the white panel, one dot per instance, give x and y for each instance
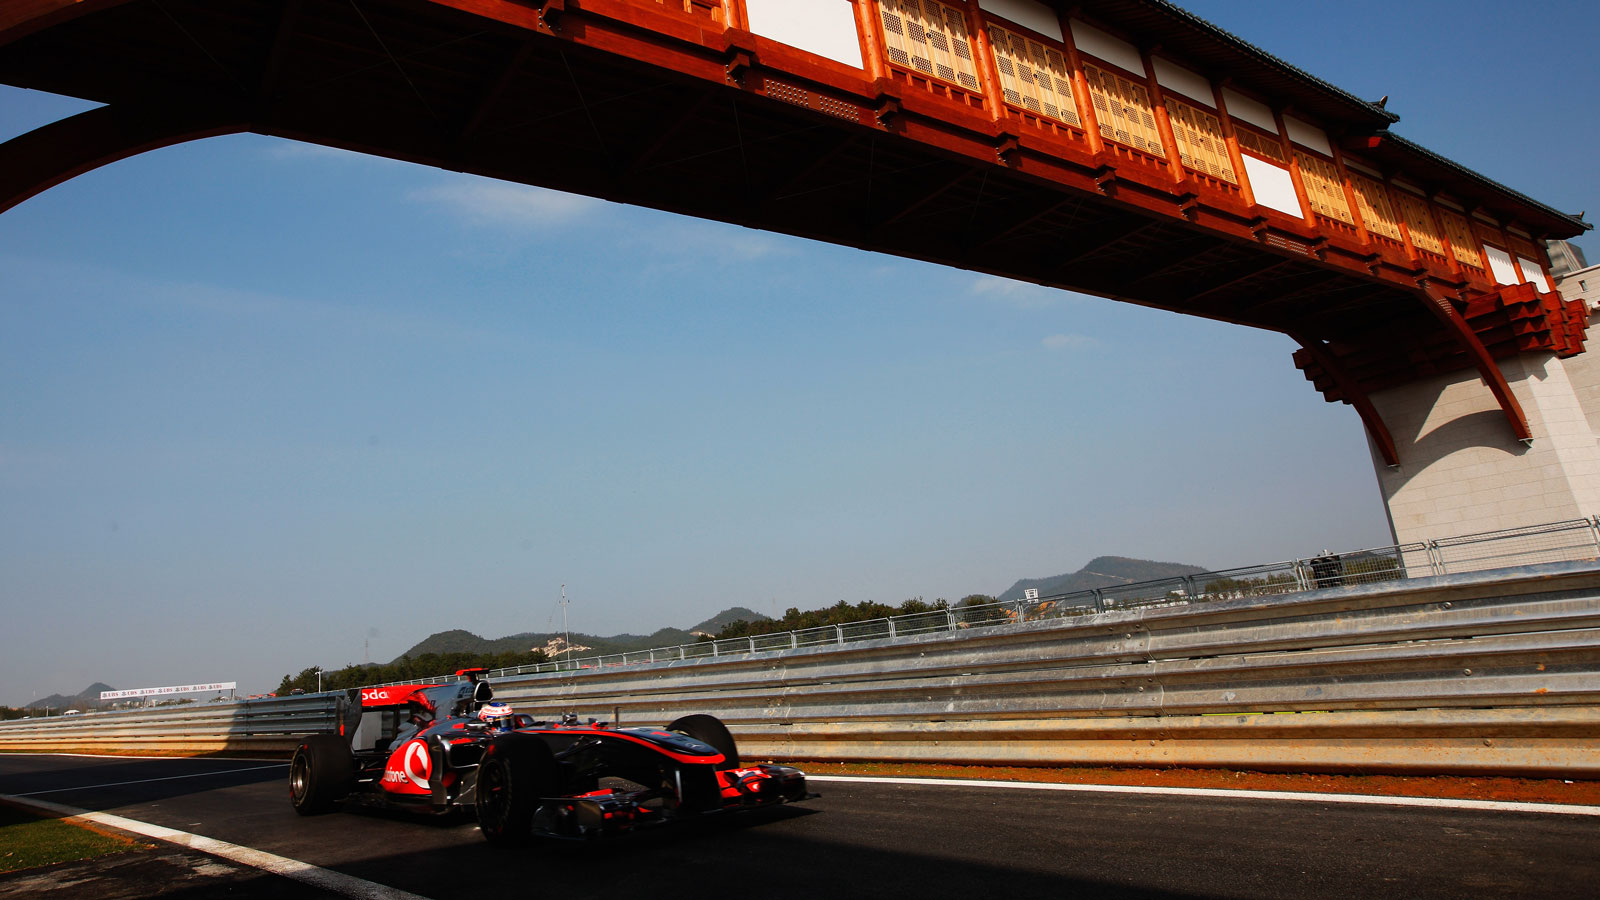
(1185, 82)
(1534, 273)
(1408, 187)
(1113, 50)
(1027, 13)
(1500, 265)
(1246, 110)
(1273, 187)
(1307, 135)
(1449, 204)
(824, 27)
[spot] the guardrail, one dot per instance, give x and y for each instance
(1478, 673)
(1495, 672)
(1572, 540)
(1483, 673)
(269, 726)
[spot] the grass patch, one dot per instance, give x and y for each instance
(29, 840)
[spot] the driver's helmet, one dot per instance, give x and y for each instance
(497, 715)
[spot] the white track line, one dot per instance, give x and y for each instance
(1229, 793)
(90, 787)
(305, 873)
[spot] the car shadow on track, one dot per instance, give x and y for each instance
(749, 855)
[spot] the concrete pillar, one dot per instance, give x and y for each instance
(1460, 470)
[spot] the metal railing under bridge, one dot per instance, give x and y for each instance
(1569, 541)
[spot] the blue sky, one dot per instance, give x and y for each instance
(264, 401)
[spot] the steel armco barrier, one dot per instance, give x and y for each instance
(1484, 673)
(1495, 672)
(1574, 540)
(270, 726)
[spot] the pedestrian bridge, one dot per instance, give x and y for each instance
(1122, 148)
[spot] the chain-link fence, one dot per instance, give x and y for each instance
(1574, 540)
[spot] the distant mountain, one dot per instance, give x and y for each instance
(1102, 572)
(84, 699)
(458, 641)
(727, 617)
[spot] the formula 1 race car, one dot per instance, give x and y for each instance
(438, 748)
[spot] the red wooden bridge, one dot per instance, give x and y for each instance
(1122, 148)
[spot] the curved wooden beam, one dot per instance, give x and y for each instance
(1439, 304)
(43, 158)
(1353, 392)
(20, 18)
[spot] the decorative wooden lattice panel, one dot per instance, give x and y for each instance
(1201, 145)
(1261, 145)
(1034, 76)
(1424, 236)
(1458, 231)
(1324, 188)
(930, 37)
(1123, 109)
(1376, 210)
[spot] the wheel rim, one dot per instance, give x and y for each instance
(494, 796)
(299, 779)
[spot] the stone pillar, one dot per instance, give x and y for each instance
(1461, 471)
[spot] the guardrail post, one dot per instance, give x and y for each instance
(839, 630)
(950, 615)
(680, 653)
(890, 620)
(1018, 605)
(1435, 558)
(794, 641)
(752, 643)
(1099, 600)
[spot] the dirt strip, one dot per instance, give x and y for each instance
(1527, 790)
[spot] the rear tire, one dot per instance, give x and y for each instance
(710, 730)
(515, 774)
(321, 774)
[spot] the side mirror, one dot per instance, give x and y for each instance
(482, 693)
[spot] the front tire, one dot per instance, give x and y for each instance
(515, 774)
(710, 730)
(321, 774)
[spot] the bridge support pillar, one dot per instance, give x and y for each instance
(1461, 471)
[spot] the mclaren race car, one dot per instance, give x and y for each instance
(439, 748)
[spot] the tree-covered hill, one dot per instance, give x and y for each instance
(1102, 572)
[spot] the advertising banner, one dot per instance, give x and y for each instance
(160, 691)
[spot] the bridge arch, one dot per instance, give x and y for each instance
(1387, 263)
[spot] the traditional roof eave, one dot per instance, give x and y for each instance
(1196, 42)
(1418, 163)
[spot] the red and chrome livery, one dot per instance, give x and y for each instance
(423, 747)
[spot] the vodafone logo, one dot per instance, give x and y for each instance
(374, 694)
(414, 766)
(417, 764)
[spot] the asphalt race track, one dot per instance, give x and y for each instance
(873, 840)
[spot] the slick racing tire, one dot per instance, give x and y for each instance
(710, 730)
(515, 774)
(321, 774)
